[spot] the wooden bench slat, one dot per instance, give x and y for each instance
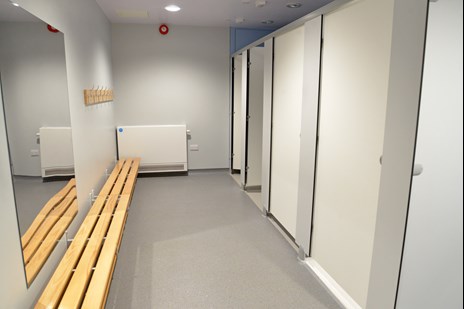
(47, 225)
(55, 200)
(101, 278)
(122, 178)
(123, 205)
(56, 287)
(111, 179)
(132, 178)
(75, 291)
(46, 248)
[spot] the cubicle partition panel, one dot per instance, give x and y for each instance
(267, 123)
(309, 132)
(244, 120)
(286, 124)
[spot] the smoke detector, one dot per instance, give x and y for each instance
(293, 5)
(260, 3)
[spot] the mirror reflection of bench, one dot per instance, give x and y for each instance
(47, 228)
(82, 278)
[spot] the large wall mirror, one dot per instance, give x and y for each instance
(35, 102)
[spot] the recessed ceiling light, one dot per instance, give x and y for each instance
(294, 5)
(239, 20)
(267, 22)
(172, 8)
(14, 3)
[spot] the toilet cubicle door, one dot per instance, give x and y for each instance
(237, 115)
(286, 125)
(432, 266)
(353, 102)
(255, 118)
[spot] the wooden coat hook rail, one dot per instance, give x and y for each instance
(96, 96)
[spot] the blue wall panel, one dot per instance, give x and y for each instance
(241, 37)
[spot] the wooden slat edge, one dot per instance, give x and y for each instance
(112, 178)
(46, 248)
(121, 178)
(132, 178)
(55, 200)
(47, 225)
(123, 205)
(65, 190)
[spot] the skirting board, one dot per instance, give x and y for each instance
(332, 286)
(253, 188)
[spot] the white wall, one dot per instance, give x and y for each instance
(88, 59)
(255, 122)
(180, 78)
(354, 84)
(432, 269)
(87, 36)
(35, 89)
(237, 143)
(286, 125)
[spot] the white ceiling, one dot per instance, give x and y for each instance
(214, 13)
(8, 12)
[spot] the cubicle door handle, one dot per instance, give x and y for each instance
(418, 169)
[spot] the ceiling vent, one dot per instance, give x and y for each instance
(137, 14)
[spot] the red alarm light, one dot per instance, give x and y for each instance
(163, 29)
(52, 29)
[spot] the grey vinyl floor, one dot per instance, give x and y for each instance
(198, 241)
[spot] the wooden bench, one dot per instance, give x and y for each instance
(82, 278)
(47, 228)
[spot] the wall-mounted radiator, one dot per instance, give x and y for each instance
(162, 148)
(56, 151)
